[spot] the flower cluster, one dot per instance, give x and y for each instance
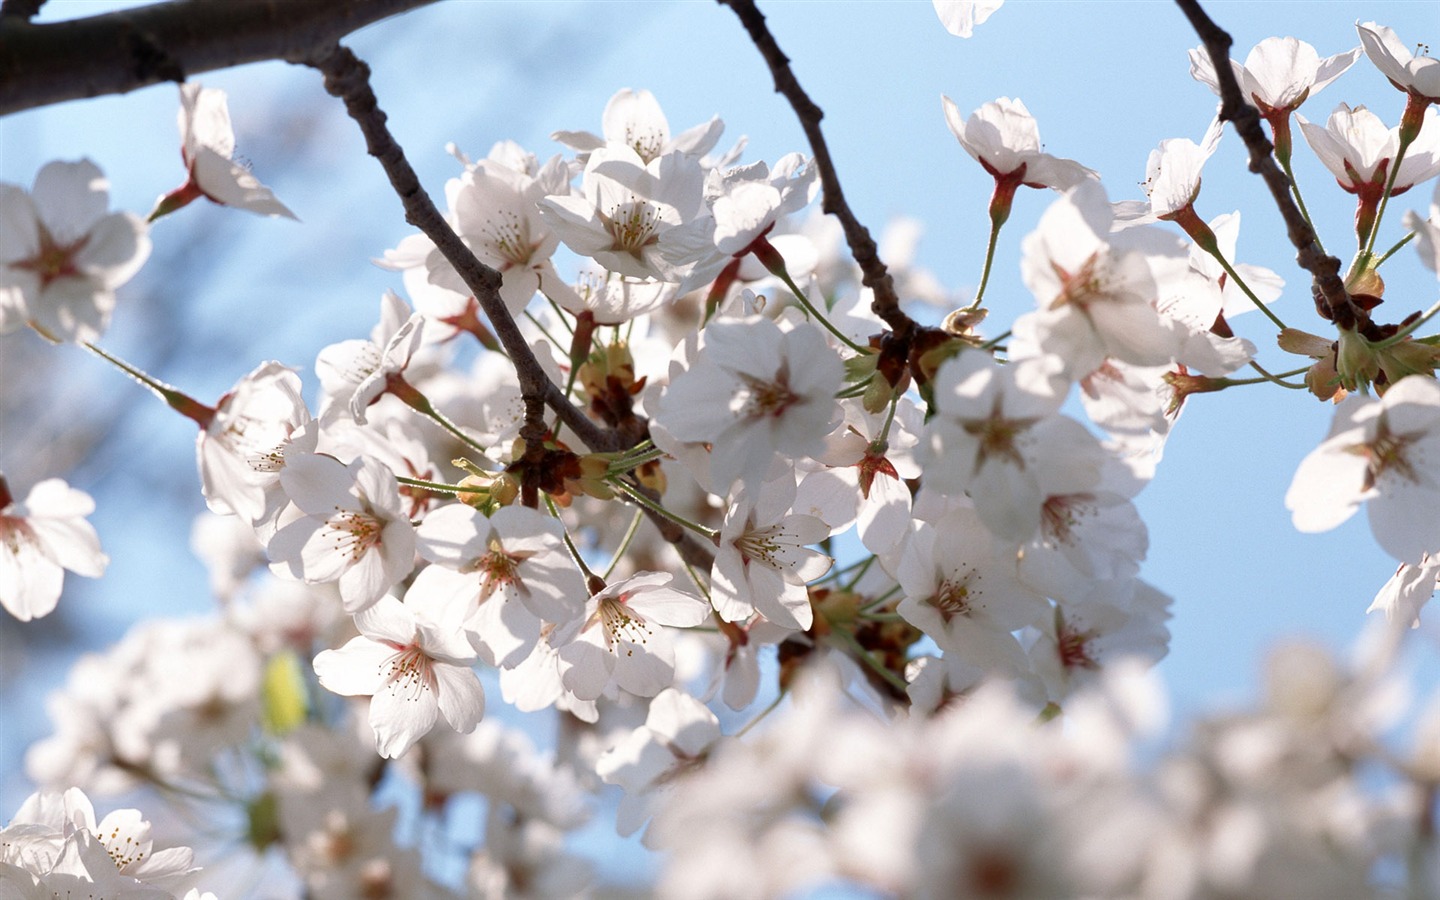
(724, 463)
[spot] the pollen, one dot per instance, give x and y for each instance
(354, 532)
(409, 673)
(622, 625)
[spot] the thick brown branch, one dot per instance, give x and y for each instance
(22, 9)
(348, 78)
(1324, 269)
(122, 51)
(886, 304)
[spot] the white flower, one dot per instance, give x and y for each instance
(1002, 136)
(1408, 590)
(495, 214)
(634, 119)
(1416, 75)
(39, 538)
(965, 595)
(1279, 74)
(753, 392)
(1384, 453)
(242, 451)
(1427, 233)
(1172, 177)
(414, 673)
(1097, 295)
(62, 255)
(764, 561)
(55, 836)
(500, 578)
(678, 732)
(353, 374)
(644, 220)
(350, 528)
(1358, 150)
(620, 643)
(747, 200)
(207, 145)
(961, 16)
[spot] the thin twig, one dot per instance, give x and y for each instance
(1325, 269)
(886, 304)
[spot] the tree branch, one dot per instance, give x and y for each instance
(862, 247)
(22, 9)
(1329, 288)
(121, 51)
(348, 78)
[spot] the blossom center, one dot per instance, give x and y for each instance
(409, 673)
(508, 238)
(955, 597)
(1388, 453)
(999, 436)
(354, 532)
(53, 260)
(1073, 646)
(1082, 287)
(499, 570)
(767, 399)
(622, 625)
(633, 226)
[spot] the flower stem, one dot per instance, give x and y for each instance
(1275, 379)
(625, 542)
(769, 708)
(995, 226)
(1405, 141)
(1391, 252)
(1295, 191)
(1245, 288)
(853, 645)
(176, 399)
(590, 577)
(775, 264)
(630, 491)
(1405, 332)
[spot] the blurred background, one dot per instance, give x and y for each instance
(1106, 81)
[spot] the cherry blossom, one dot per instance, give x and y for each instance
(1416, 75)
(634, 119)
(502, 578)
(678, 731)
(1383, 453)
(754, 391)
(207, 145)
(764, 560)
(62, 255)
(1002, 136)
(242, 450)
(414, 672)
(961, 16)
(1278, 74)
(353, 374)
(40, 537)
(621, 640)
(644, 220)
(347, 525)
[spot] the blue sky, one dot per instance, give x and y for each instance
(1106, 81)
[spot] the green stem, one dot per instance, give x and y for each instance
(860, 573)
(590, 577)
(625, 542)
(773, 705)
(695, 577)
(1300, 202)
(640, 498)
(635, 460)
(176, 399)
(995, 341)
(995, 227)
(1275, 379)
(1245, 288)
(1391, 252)
(1405, 332)
(853, 645)
(1385, 197)
(784, 275)
(434, 485)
